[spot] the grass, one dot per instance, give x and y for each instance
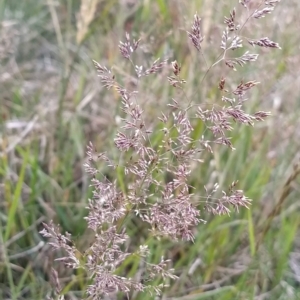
(52, 105)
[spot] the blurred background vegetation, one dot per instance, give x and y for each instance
(52, 104)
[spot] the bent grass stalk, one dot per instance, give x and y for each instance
(167, 205)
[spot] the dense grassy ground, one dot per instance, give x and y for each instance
(52, 105)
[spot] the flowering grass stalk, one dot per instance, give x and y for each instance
(170, 207)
